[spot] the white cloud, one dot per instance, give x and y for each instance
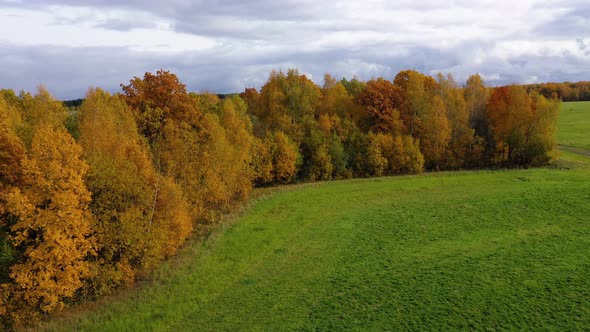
(226, 45)
(86, 27)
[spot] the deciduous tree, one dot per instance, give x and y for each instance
(52, 221)
(285, 157)
(383, 103)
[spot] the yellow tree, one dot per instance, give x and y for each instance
(40, 109)
(383, 103)
(419, 91)
(374, 162)
(12, 150)
(52, 222)
(335, 99)
(272, 108)
(286, 100)
(543, 141)
(134, 206)
(175, 126)
(392, 150)
(200, 142)
(158, 97)
(12, 154)
(262, 161)
(436, 134)
(462, 140)
(238, 129)
(401, 154)
(252, 98)
(510, 113)
(476, 98)
(212, 164)
(284, 159)
(413, 158)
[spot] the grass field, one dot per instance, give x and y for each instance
(574, 125)
(485, 250)
(474, 250)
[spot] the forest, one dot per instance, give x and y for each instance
(567, 91)
(95, 193)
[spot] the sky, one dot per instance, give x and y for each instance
(225, 46)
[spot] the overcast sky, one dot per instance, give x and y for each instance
(224, 46)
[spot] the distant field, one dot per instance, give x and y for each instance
(574, 125)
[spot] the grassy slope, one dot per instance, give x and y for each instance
(467, 250)
(574, 125)
(501, 249)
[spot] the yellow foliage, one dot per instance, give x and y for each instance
(436, 133)
(40, 110)
(141, 216)
(284, 159)
(390, 155)
(172, 217)
(212, 164)
(413, 159)
(262, 161)
(12, 152)
(375, 162)
(53, 221)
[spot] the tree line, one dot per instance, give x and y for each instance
(93, 194)
(567, 91)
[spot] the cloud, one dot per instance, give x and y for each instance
(124, 25)
(225, 46)
(573, 21)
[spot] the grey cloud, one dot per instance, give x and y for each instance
(264, 9)
(262, 19)
(125, 25)
(275, 20)
(583, 46)
(256, 37)
(66, 72)
(574, 22)
(69, 72)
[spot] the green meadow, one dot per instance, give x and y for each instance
(574, 125)
(478, 250)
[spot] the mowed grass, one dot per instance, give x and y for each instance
(574, 125)
(467, 250)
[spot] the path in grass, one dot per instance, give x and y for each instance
(582, 152)
(472, 250)
(574, 135)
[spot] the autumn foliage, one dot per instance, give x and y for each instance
(50, 221)
(93, 196)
